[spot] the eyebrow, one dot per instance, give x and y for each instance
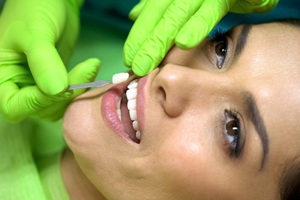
(258, 122)
(242, 40)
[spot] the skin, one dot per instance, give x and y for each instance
(183, 152)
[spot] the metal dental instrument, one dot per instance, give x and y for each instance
(98, 83)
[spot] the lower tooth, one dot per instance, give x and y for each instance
(119, 109)
(138, 135)
(135, 125)
(119, 114)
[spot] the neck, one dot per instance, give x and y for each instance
(77, 184)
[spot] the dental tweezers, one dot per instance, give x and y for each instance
(98, 83)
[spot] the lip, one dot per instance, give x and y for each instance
(109, 107)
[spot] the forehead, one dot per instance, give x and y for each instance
(271, 53)
(270, 66)
(270, 62)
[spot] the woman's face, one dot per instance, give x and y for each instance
(219, 121)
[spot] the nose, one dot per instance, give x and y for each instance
(181, 87)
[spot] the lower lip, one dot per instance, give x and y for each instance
(109, 108)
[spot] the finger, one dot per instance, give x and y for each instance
(82, 73)
(68, 38)
(136, 10)
(17, 73)
(251, 6)
(158, 44)
(17, 104)
(142, 27)
(201, 23)
(47, 67)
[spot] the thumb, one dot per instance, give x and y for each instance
(47, 67)
(81, 73)
(84, 72)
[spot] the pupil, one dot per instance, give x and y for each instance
(221, 49)
(232, 128)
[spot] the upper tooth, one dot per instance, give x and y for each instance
(131, 104)
(133, 84)
(120, 77)
(131, 93)
(132, 114)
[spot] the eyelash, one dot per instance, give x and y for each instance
(220, 37)
(233, 139)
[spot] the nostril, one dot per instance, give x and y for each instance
(173, 107)
(163, 93)
(172, 92)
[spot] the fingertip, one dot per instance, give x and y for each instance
(125, 61)
(134, 13)
(142, 69)
(93, 62)
(53, 83)
(84, 71)
(139, 71)
(136, 10)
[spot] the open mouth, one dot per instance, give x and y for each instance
(127, 114)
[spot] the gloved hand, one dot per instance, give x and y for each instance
(21, 98)
(36, 40)
(159, 24)
(45, 32)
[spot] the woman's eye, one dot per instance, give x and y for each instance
(232, 133)
(220, 48)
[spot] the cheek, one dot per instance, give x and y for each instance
(78, 124)
(190, 166)
(83, 140)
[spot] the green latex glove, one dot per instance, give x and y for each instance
(45, 31)
(21, 98)
(159, 24)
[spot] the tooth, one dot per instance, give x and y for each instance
(120, 77)
(138, 135)
(132, 114)
(131, 94)
(131, 104)
(133, 84)
(119, 114)
(135, 125)
(118, 109)
(119, 104)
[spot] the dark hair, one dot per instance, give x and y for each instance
(292, 21)
(290, 181)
